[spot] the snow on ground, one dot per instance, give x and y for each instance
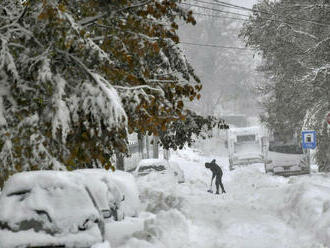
(258, 211)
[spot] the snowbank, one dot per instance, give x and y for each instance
(167, 229)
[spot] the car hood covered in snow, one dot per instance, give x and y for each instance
(43, 208)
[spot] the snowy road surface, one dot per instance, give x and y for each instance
(258, 211)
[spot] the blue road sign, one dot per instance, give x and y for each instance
(308, 139)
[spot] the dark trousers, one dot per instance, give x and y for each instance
(218, 181)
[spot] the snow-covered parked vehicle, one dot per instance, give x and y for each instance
(246, 145)
(287, 158)
(125, 182)
(161, 167)
(62, 209)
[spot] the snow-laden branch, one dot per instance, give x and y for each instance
(23, 30)
(90, 42)
(315, 73)
(138, 87)
(89, 20)
(7, 60)
(310, 119)
(146, 37)
(17, 20)
(38, 149)
(61, 117)
(118, 112)
(45, 68)
(161, 81)
(3, 121)
(318, 45)
(299, 32)
(6, 154)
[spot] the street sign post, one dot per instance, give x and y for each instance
(308, 139)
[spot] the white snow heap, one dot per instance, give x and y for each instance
(6, 59)
(3, 121)
(61, 119)
(103, 103)
(45, 73)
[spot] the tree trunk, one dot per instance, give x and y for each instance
(141, 145)
(147, 146)
(166, 154)
(155, 150)
(120, 165)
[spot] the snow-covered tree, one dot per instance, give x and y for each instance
(185, 131)
(74, 75)
(293, 38)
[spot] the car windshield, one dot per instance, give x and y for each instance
(288, 149)
(246, 138)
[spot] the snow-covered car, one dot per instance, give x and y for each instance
(117, 181)
(160, 166)
(56, 209)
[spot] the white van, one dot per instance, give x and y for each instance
(287, 158)
(246, 145)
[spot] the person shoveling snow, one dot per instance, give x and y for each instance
(217, 174)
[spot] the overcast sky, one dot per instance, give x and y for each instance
(246, 3)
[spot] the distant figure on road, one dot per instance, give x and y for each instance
(217, 174)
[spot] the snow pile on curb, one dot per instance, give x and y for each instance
(102, 245)
(159, 192)
(126, 182)
(167, 229)
(307, 206)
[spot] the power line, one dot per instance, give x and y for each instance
(229, 5)
(217, 10)
(264, 18)
(217, 46)
(218, 16)
(224, 4)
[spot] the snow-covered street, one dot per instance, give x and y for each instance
(122, 121)
(258, 210)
